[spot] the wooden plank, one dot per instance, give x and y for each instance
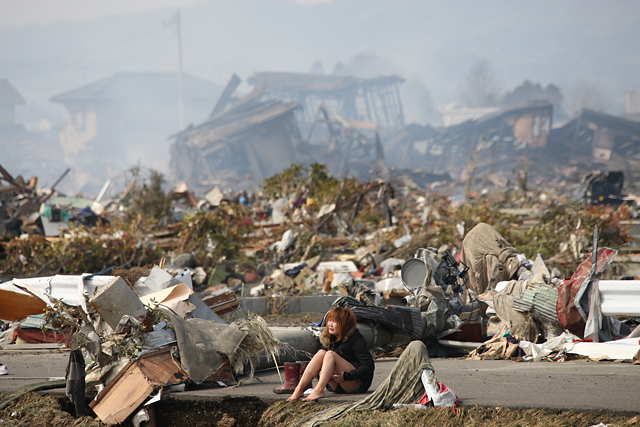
(212, 300)
(225, 308)
(10, 189)
(225, 97)
(222, 303)
(6, 175)
(162, 369)
(122, 396)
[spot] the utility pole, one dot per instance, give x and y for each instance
(180, 102)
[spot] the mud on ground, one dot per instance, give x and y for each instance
(287, 414)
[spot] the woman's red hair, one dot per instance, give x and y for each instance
(344, 317)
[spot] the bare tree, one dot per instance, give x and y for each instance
(476, 158)
(522, 176)
(481, 88)
(586, 94)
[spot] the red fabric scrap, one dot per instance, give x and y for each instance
(38, 336)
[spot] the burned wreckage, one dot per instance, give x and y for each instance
(259, 134)
(488, 146)
(357, 126)
(517, 140)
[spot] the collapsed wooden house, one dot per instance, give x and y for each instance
(252, 138)
(346, 147)
(608, 142)
(492, 138)
(258, 135)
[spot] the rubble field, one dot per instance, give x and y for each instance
(159, 291)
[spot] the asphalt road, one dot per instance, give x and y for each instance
(578, 385)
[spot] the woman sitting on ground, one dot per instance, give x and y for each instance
(346, 366)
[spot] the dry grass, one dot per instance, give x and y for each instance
(285, 414)
(131, 275)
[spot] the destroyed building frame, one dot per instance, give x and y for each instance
(353, 98)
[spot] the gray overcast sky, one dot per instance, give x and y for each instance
(49, 46)
(15, 13)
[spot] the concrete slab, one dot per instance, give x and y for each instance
(317, 304)
(257, 305)
(578, 385)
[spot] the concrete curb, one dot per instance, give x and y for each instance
(288, 305)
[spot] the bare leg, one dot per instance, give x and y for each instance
(313, 368)
(332, 362)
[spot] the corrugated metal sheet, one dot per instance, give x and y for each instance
(541, 299)
(617, 298)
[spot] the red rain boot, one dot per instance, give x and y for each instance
(291, 379)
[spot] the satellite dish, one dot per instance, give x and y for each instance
(413, 273)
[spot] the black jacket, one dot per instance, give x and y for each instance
(352, 348)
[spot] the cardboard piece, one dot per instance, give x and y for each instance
(301, 279)
(175, 298)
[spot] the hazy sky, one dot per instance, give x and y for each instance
(15, 13)
(432, 42)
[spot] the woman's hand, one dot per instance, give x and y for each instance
(338, 376)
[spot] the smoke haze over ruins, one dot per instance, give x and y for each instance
(583, 50)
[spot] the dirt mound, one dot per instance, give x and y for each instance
(35, 410)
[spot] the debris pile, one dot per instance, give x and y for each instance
(131, 342)
(483, 276)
